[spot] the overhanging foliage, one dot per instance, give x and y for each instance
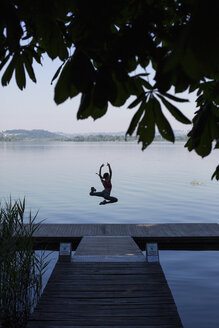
(102, 43)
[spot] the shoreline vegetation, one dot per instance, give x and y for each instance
(44, 136)
(21, 268)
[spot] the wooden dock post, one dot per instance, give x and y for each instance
(65, 251)
(152, 253)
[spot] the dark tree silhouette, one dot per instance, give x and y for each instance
(101, 43)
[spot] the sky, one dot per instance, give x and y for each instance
(34, 108)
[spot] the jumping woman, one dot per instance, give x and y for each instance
(106, 181)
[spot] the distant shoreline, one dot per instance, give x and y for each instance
(46, 136)
(85, 140)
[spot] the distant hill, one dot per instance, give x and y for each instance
(16, 135)
(86, 134)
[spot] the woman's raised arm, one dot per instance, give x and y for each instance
(110, 170)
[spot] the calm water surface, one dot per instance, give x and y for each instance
(165, 183)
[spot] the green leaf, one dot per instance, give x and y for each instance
(6, 78)
(29, 68)
(36, 56)
(199, 122)
(141, 74)
(205, 143)
(201, 134)
(214, 127)
(20, 74)
(146, 128)
(121, 81)
(4, 61)
(134, 86)
(216, 174)
(175, 98)
(137, 101)
(215, 110)
(193, 87)
(98, 112)
(99, 100)
(130, 63)
(175, 111)
(73, 91)
(135, 119)
(57, 73)
(82, 72)
(64, 88)
(104, 88)
(161, 122)
(85, 107)
(189, 144)
(143, 61)
(121, 94)
(76, 76)
(146, 84)
(91, 105)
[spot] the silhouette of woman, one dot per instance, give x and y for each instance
(106, 181)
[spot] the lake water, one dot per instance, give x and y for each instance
(163, 184)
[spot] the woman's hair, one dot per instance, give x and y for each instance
(106, 175)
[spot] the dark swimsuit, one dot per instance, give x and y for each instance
(107, 185)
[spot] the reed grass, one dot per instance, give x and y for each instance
(21, 269)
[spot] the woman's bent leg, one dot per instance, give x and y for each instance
(111, 199)
(98, 194)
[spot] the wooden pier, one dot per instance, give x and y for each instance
(108, 283)
(177, 236)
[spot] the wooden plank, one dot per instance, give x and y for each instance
(98, 307)
(43, 324)
(101, 294)
(150, 301)
(133, 230)
(97, 312)
(111, 321)
(104, 281)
